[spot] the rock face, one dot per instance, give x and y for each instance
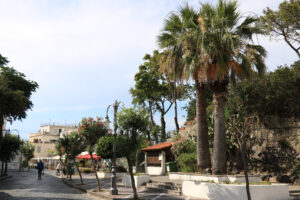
(267, 134)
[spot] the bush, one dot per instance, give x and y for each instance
(183, 147)
(187, 162)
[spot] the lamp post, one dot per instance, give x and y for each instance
(113, 189)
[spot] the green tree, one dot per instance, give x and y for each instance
(276, 95)
(15, 93)
(229, 51)
(28, 152)
(180, 33)
(10, 146)
(92, 130)
(77, 146)
(132, 122)
(285, 22)
(151, 86)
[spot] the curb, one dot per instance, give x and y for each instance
(73, 186)
(102, 195)
(4, 178)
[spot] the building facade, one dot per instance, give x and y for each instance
(44, 140)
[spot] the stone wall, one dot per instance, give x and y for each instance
(268, 134)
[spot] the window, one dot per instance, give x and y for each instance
(38, 149)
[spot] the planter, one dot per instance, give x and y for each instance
(109, 174)
(138, 180)
(214, 178)
(215, 191)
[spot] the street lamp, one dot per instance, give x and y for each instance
(113, 189)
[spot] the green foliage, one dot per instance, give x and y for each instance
(28, 151)
(92, 130)
(10, 146)
(132, 121)
(151, 88)
(276, 95)
(76, 144)
(183, 146)
(187, 162)
(15, 93)
(285, 23)
(104, 147)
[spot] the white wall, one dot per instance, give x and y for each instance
(213, 191)
(154, 170)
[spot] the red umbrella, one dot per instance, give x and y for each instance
(87, 156)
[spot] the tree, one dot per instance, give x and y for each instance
(28, 152)
(181, 32)
(171, 64)
(92, 130)
(285, 22)
(10, 146)
(132, 122)
(77, 146)
(229, 52)
(151, 86)
(15, 93)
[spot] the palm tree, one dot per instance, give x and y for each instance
(226, 40)
(179, 34)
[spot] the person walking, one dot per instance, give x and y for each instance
(40, 169)
(58, 169)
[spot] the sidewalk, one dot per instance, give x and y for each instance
(90, 187)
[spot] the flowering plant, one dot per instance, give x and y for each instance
(92, 130)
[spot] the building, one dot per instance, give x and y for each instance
(156, 157)
(44, 140)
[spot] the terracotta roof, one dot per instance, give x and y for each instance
(158, 146)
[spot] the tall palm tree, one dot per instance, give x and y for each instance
(226, 40)
(178, 34)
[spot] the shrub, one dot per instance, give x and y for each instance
(186, 146)
(187, 162)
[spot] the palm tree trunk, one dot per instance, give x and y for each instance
(175, 109)
(135, 195)
(219, 99)
(81, 181)
(203, 154)
(95, 170)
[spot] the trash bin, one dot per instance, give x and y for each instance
(171, 167)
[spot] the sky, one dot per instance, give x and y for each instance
(84, 53)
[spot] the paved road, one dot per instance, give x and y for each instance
(25, 186)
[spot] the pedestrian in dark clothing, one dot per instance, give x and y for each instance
(40, 167)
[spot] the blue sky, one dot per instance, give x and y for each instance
(84, 53)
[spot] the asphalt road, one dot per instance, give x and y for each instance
(26, 186)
